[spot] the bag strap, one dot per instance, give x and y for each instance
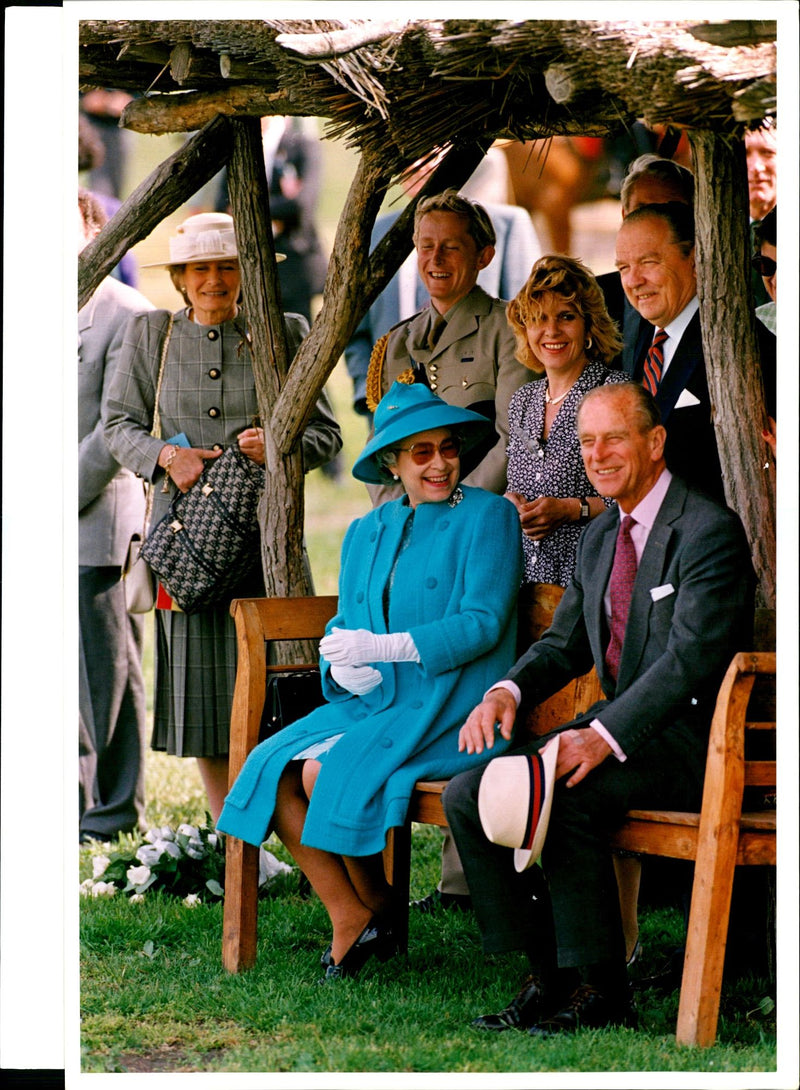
(156, 428)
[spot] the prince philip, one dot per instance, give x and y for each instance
(660, 600)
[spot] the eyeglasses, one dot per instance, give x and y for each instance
(422, 453)
(765, 265)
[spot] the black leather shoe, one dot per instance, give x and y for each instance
(587, 1007)
(375, 940)
(523, 1011)
(438, 900)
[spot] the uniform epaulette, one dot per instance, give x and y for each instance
(374, 383)
(375, 372)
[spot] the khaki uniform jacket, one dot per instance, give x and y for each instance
(471, 366)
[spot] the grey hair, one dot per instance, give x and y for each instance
(645, 409)
(650, 165)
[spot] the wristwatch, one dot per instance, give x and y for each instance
(585, 514)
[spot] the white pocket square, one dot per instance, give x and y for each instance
(661, 592)
(686, 400)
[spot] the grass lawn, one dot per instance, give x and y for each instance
(155, 998)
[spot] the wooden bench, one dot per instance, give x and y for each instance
(719, 838)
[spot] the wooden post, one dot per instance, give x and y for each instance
(281, 510)
(730, 345)
(167, 188)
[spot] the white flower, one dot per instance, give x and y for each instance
(159, 833)
(99, 864)
(191, 900)
(170, 847)
(189, 830)
(103, 889)
(149, 854)
(213, 840)
(137, 875)
(86, 886)
(269, 867)
(136, 898)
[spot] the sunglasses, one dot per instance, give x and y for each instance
(765, 265)
(422, 453)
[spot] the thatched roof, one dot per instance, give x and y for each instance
(402, 89)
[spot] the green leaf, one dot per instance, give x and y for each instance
(214, 887)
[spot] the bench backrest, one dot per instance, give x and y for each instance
(537, 604)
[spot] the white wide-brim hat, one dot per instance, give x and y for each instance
(206, 236)
(514, 801)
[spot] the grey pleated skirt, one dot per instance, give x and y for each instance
(195, 672)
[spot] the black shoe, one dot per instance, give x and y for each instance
(636, 954)
(587, 1007)
(376, 939)
(523, 1011)
(437, 900)
(326, 959)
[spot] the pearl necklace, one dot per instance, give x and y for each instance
(555, 400)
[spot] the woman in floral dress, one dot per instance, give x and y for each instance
(563, 333)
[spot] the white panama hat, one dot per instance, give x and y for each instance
(514, 801)
(206, 236)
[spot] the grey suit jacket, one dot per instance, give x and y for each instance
(110, 498)
(691, 610)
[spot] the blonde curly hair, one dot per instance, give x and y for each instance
(574, 283)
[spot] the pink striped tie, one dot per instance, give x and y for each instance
(620, 589)
(654, 363)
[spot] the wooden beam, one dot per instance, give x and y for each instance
(336, 43)
(159, 114)
(158, 196)
(730, 345)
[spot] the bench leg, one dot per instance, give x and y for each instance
(240, 909)
(706, 939)
(397, 864)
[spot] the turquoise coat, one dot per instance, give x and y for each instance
(455, 590)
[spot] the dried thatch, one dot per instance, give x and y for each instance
(401, 89)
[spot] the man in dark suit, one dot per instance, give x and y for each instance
(643, 745)
(650, 179)
(656, 261)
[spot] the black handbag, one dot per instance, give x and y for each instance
(209, 539)
(290, 696)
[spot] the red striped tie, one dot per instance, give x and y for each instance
(654, 363)
(620, 589)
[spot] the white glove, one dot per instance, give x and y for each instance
(356, 647)
(358, 680)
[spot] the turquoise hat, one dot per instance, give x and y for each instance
(406, 410)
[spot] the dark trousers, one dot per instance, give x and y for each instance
(111, 706)
(576, 860)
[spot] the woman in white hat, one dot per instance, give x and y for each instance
(427, 612)
(206, 401)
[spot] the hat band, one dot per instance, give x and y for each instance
(197, 245)
(536, 786)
